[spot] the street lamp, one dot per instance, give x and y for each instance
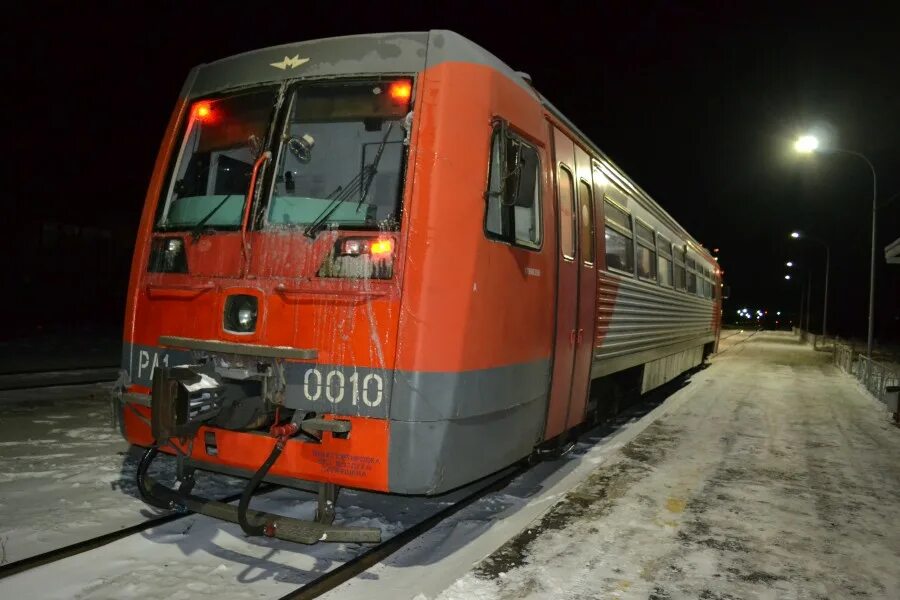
(807, 294)
(807, 144)
(796, 235)
(789, 264)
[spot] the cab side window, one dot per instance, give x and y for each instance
(513, 198)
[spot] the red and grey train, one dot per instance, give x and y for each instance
(386, 262)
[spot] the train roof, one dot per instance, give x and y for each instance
(385, 53)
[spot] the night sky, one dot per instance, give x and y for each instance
(698, 104)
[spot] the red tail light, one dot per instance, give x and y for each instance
(202, 111)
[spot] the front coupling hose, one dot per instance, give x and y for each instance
(143, 466)
(283, 432)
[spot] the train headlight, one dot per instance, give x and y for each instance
(246, 318)
(360, 258)
(167, 255)
(241, 312)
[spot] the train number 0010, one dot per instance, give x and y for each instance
(333, 385)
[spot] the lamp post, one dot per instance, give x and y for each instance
(797, 235)
(807, 294)
(807, 144)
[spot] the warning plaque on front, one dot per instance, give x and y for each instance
(347, 465)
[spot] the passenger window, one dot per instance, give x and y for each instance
(691, 276)
(586, 201)
(512, 212)
(566, 213)
(664, 248)
(679, 269)
(646, 258)
(619, 247)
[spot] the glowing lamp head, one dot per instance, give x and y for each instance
(795, 234)
(789, 263)
(381, 248)
(202, 111)
(787, 276)
(806, 144)
(378, 248)
(400, 91)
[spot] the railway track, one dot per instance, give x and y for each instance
(99, 541)
(369, 558)
(311, 589)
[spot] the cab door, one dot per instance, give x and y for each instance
(576, 285)
(587, 289)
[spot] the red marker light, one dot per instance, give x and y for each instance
(202, 111)
(400, 91)
(381, 248)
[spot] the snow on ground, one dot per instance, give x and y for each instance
(766, 475)
(779, 479)
(66, 474)
(201, 557)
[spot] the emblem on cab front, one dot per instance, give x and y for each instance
(290, 62)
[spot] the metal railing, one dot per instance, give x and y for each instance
(819, 342)
(843, 358)
(879, 379)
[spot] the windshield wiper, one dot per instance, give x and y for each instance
(368, 172)
(197, 230)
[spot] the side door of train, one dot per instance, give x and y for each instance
(576, 285)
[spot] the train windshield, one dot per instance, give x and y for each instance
(341, 160)
(212, 174)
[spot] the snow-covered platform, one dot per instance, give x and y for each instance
(772, 475)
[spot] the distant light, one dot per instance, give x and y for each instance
(787, 276)
(789, 263)
(806, 144)
(716, 250)
(795, 234)
(778, 313)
